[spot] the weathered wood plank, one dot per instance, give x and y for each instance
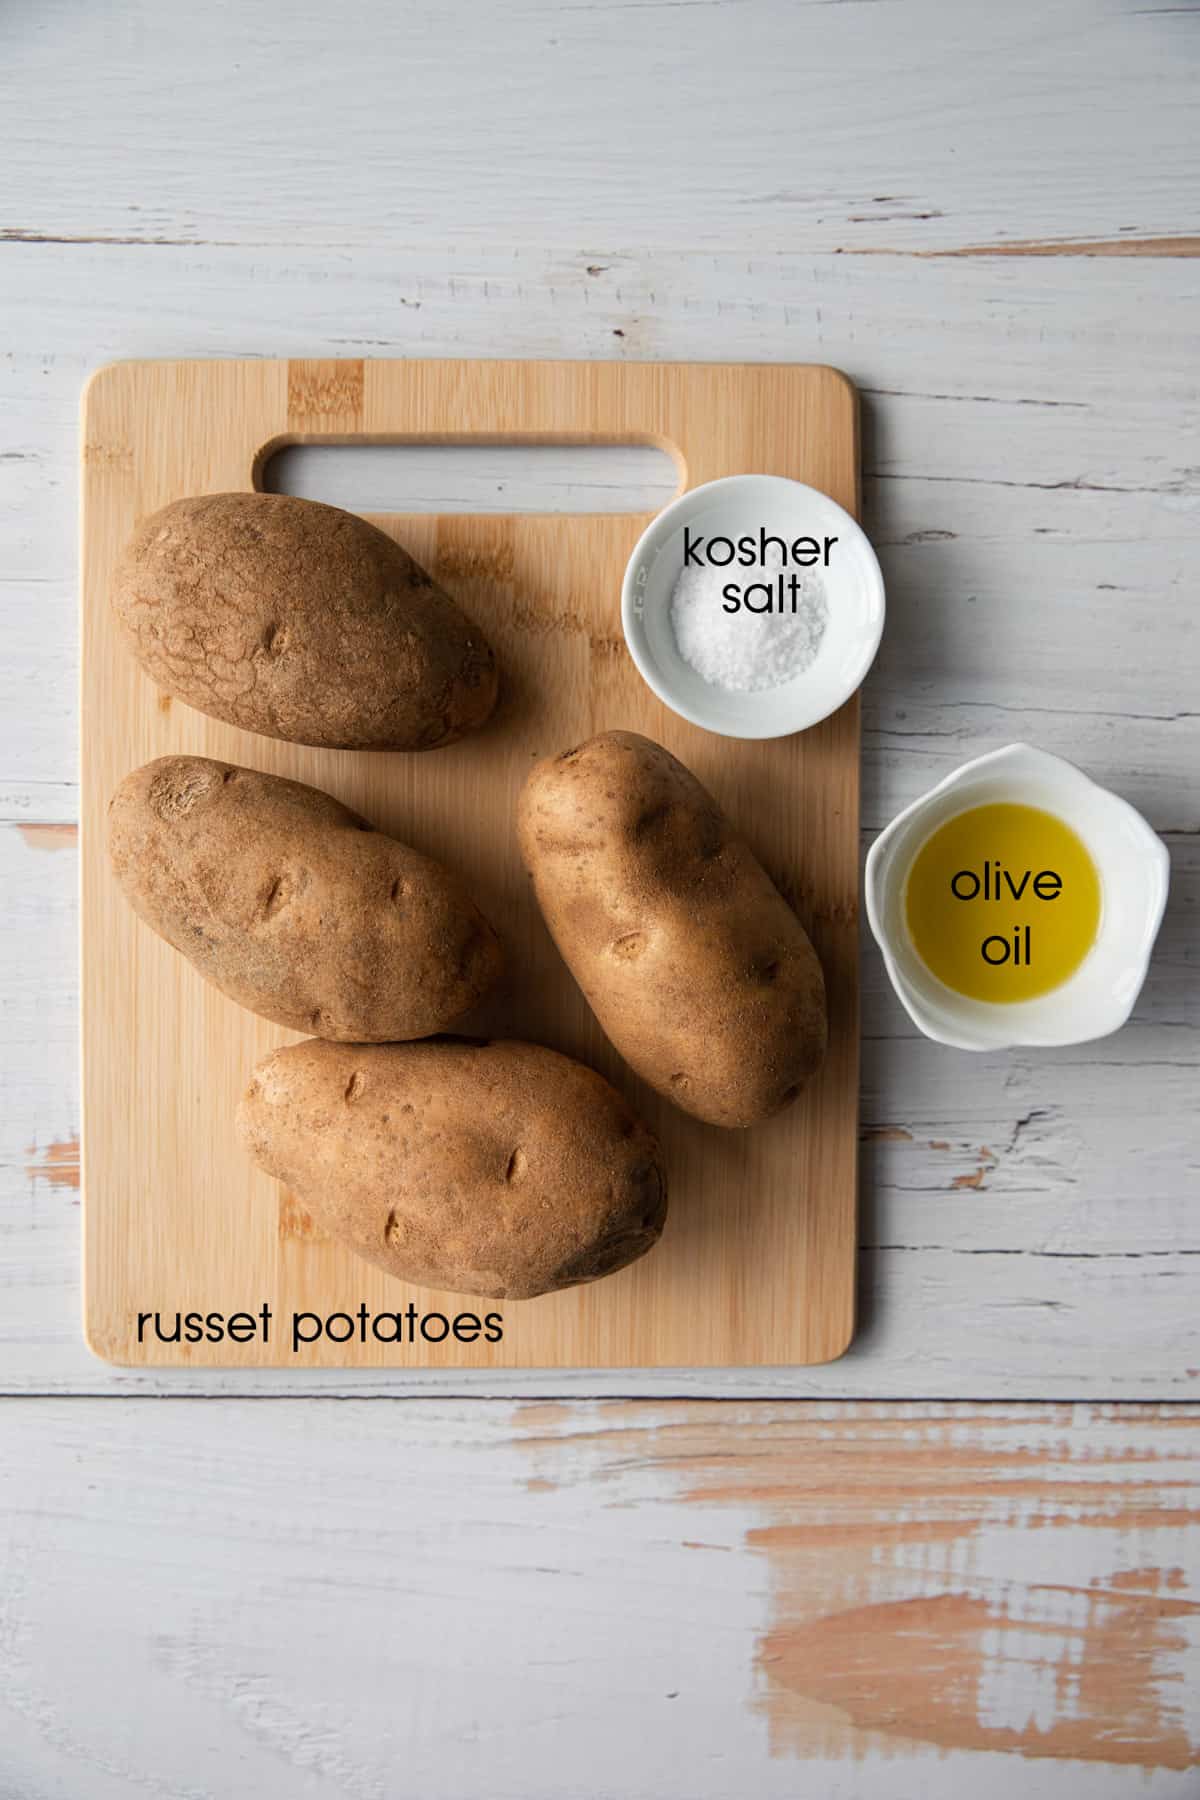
(766, 125)
(709, 1600)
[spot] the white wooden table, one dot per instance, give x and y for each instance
(862, 1580)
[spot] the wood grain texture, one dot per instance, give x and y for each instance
(892, 1541)
(1036, 515)
(1030, 457)
(705, 1601)
(757, 1263)
(751, 126)
(357, 1599)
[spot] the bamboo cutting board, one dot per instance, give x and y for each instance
(757, 1261)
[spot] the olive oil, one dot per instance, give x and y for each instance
(1003, 902)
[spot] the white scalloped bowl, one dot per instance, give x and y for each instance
(1134, 870)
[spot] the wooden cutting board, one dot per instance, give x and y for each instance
(757, 1264)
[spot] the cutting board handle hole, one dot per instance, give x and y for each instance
(474, 476)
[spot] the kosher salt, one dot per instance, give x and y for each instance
(743, 645)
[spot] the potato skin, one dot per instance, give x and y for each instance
(293, 906)
(695, 965)
(300, 621)
(501, 1169)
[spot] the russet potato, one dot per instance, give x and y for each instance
(300, 621)
(692, 960)
(294, 906)
(493, 1168)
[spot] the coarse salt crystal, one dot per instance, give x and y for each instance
(746, 652)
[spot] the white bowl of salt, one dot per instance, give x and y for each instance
(753, 606)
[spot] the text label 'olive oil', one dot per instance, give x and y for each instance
(1003, 902)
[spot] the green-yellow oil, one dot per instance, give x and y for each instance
(1003, 902)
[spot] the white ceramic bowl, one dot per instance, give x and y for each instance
(1133, 866)
(853, 588)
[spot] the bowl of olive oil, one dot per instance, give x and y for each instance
(1017, 903)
